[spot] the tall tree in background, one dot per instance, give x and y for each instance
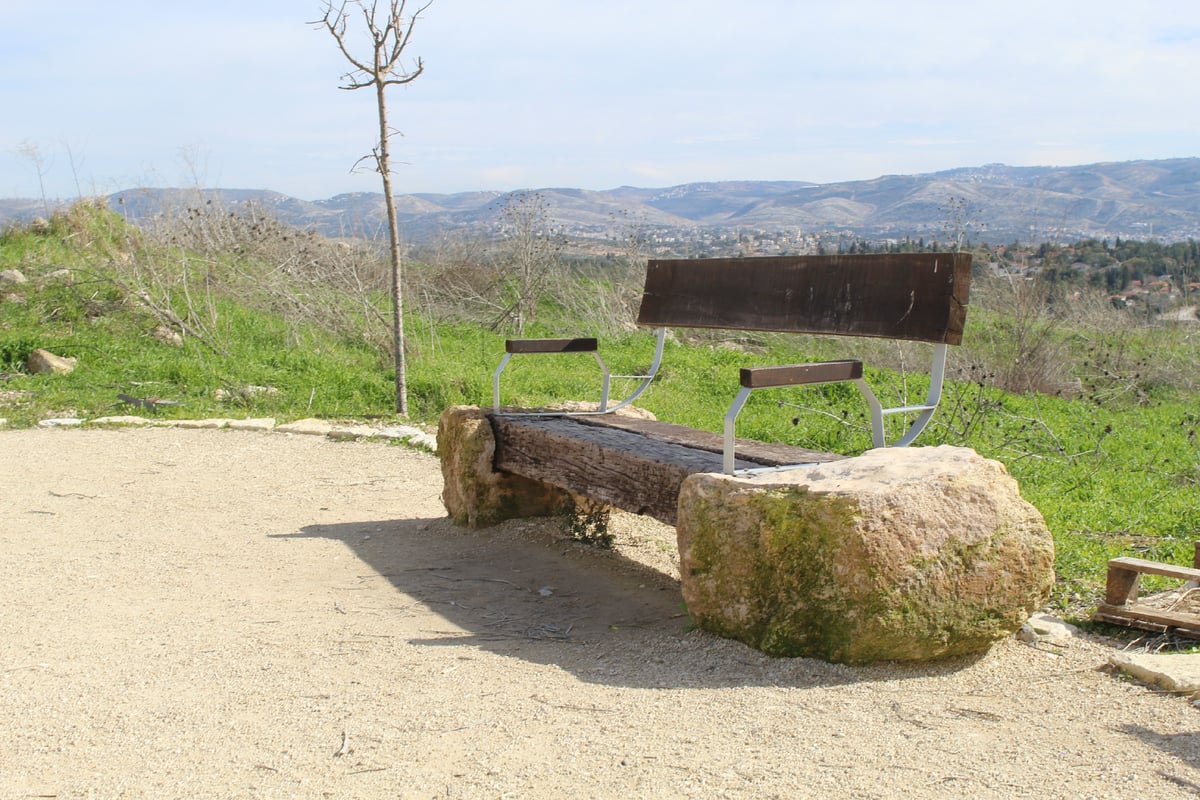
(389, 36)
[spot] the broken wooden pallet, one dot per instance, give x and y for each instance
(1121, 606)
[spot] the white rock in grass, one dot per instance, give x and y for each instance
(42, 361)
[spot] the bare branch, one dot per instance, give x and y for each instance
(335, 23)
(388, 43)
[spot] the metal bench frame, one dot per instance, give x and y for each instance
(753, 379)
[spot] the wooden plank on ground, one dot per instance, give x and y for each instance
(1149, 618)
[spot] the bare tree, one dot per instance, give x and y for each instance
(34, 154)
(389, 37)
(532, 250)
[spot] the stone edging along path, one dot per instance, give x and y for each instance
(314, 427)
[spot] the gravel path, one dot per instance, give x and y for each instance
(222, 614)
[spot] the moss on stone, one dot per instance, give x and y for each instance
(846, 577)
(793, 603)
(475, 494)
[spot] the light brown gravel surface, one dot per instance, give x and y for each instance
(220, 614)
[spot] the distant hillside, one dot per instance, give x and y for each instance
(994, 203)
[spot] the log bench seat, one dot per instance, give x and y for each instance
(627, 462)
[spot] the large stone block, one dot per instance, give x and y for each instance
(904, 554)
(475, 494)
(41, 361)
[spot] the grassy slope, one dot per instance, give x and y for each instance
(1114, 472)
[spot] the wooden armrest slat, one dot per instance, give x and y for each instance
(551, 345)
(796, 374)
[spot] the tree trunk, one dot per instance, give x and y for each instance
(394, 251)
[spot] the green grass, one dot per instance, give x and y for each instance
(1114, 467)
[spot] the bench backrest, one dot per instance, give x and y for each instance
(914, 296)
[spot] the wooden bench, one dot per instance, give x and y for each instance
(639, 464)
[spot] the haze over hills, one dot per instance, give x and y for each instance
(991, 203)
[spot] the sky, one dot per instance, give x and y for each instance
(98, 96)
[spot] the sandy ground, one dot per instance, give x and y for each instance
(222, 614)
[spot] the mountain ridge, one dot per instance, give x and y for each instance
(993, 203)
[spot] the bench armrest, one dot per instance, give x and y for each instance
(797, 374)
(515, 347)
(753, 378)
(578, 345)
(832, 372)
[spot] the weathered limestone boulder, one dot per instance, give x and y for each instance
(904, 554)
(475, 495)
(40, 361)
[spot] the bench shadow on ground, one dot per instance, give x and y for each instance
(1183, 746)
(519, 591)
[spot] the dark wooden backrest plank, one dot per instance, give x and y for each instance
(915, 296)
